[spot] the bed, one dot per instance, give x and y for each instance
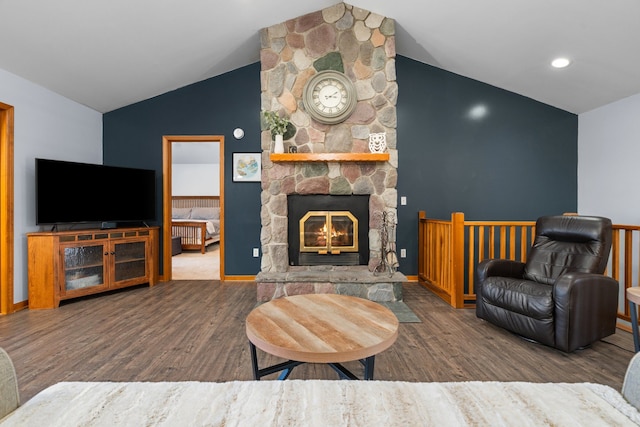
(196, 220)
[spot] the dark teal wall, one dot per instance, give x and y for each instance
(517, 163)
(133, 137)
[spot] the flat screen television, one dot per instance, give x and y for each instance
(71, 192)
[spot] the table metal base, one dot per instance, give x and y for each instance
(285, 368)
(634, 325)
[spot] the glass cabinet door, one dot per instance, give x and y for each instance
(130, 261)
(84, 266)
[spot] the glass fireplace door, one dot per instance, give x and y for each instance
(328, 232)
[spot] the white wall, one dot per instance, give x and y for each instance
(608, 170)
(195, 179)
(46, 125)
(608, 164)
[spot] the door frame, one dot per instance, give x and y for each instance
(6, 209)
(167, 160)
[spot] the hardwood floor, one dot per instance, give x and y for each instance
(194, 331)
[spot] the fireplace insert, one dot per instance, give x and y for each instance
(328, 230)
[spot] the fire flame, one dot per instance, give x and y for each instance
(338, 237)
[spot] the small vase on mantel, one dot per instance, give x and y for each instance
(278, 145)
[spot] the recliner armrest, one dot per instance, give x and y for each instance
(575, 286)
(586, 299)
(493, 268)
(500, 267)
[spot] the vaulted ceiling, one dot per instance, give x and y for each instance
(111, 53)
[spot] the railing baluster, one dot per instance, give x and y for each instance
(523, 243)
(492, 241)
(471, 260)
(512, 242)
(481, 243)
(628, 258)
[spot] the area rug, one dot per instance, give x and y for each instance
(402, 312)
(325, 403)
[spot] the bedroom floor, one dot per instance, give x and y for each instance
(193, 265)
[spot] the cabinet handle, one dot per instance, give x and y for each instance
(106, 253)
(113, 253)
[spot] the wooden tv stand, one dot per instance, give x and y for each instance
(70, 264)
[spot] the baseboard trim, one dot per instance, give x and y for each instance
(238, 278)
(18, 306)
(253, 278)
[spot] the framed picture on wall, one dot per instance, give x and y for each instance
(247, 167)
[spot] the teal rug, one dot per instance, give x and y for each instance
(402, 311)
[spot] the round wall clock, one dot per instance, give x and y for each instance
(329, 97)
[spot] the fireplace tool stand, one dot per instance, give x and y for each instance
(388, 257)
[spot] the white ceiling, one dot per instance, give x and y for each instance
(107, 54)
(195, 152)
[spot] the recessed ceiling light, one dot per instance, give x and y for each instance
(560, 63)
(478, 111)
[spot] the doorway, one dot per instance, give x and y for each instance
(6, 209)
(169, 150)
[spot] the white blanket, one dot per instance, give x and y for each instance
(325, 403)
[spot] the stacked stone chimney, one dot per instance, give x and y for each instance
(362, 45)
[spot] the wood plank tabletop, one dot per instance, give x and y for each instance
(322, 328)
(633, 295)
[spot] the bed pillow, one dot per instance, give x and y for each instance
(205, 213)
(181, 213)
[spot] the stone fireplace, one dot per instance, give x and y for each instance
(330, 162)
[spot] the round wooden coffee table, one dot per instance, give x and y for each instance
(320, 328)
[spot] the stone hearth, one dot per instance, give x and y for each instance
(344, 280)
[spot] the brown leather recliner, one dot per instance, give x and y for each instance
(560, 297)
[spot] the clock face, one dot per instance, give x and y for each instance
(329, 97)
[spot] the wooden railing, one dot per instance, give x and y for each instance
(450, 250)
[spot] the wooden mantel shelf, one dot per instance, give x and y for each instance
(329, 157)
